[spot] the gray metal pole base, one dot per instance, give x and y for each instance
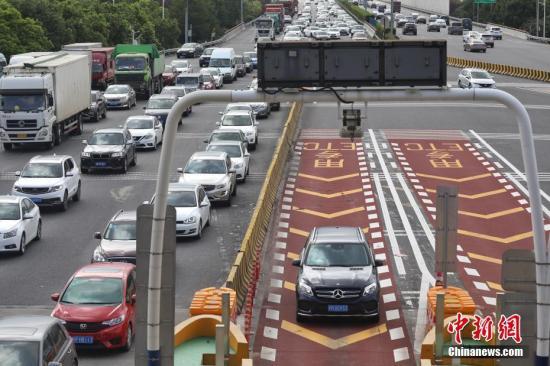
(344, 132)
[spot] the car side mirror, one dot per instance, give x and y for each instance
(144, 107)
(27, 216)
(145, 202)
(85, 142)
(218, 123)
(297, 263)
(468, 77)
(204, 202)
(18, 173)
(205, 141)
(133, 299)
(256, 123)
(180, 170)
(55, 296)
(247, 154)
(97, 235)
(220, 113)
(232, 170)
(378, 263)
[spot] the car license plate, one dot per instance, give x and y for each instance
(21, 135)
(100, 163)
(338, 308)
(36, 199)
(83, 339)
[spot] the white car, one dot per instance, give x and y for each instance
(320, 35)
(182, 66)
(244, 121)
(213, 171)
(216, 74)
(292, 36)
(146, 131)
(334, 33)
(309, 30)
(20, 223)
(192, 208)
(259, 109)
(470, 34)
(239, 155)
(49, 180)
(475, 78)
(441, 23)
(496, 32)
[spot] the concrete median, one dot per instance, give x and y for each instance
(515, 71)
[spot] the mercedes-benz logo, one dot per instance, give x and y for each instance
(337, 294)
(83, 326)
(21, 123)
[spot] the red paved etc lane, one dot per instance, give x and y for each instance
(329, 185)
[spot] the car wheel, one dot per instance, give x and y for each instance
(38, 231)
(129, 339)
(300, 318)
(84, 170)
(155, 144)
(125, 166)
(76, 196)
(460, 84)
(199, 232)
(80, 126)
(209, 217)
(96, 117)
(134, 159)
(234, 193)
(65, 204)
(104, 115)
(56, 136)
(22, 245)
(484, 51)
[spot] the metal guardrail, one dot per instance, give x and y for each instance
(538, 39)
(241, 274)
(515, 71)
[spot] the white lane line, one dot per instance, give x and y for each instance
(514, 169)
(404, 219)
(421, 318)
(272, 314)
(270, 332)
(268, 354)
(389, 228)
(392, 314)
(276, 283)
(274, 298)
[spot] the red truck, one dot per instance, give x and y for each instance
(291, 6)
(278, 9)
(103, 64)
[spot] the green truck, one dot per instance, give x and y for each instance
(140, 66)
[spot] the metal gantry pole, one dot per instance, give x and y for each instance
(162, 9)
(544, 18)
(537, 24)
(376, 95)
(186, 21)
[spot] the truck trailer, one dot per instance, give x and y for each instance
(43, 99)
(140, 66)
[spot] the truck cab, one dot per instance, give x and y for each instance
(103, 67)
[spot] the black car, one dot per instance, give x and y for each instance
(204, 60)
(110, 149)
(445, 18)
(240, 65)
(410, 28)
(401, 22)
(189, 50)
(467, 24)
(338, 275)
(98, 108)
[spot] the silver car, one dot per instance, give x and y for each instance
(474, 44)
(239, 155)
(34, 340)
(118, 241)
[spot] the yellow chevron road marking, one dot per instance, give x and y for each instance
(333, 179)
(292, 255)
(491, 215)
(457, 180)
(329, 215)
(298, 232)
(476, 196)
(329, 195)
(331, 342)
(495, 286)
(498, 239)
(484, 258)
(289, 286)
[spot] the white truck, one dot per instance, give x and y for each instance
(41, 100)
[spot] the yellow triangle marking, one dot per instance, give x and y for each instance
(290, 286)
(495, 286)
(329, 215)
(484, 258)
(298, 232)
(458, 180)
(331, 342)
(478, 195)
(323, 179)
(365, 230)
(491, 215)
(293, 255)
(329, 195)
(498, 239)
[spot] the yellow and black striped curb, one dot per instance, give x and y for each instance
(241, 274)
(516, 71)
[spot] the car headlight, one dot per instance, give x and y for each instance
(43, 133)
(149, 136)
(117, 154)
(305, 288)
(17, 189)
(238, 166)
(369, 289)
(85, 154)
(98, 256)
(221, 186)
(249, 133)
(114, 321)
(190, 220)
(55, 188)
(10, 234)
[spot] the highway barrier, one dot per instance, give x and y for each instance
(457, 300)
(516, 71)
(245, 270)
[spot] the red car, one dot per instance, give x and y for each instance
(169, 75)
(97, 305)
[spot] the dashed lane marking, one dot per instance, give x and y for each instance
(331, 342)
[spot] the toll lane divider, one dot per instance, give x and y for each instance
(245, 271)
(515, 71)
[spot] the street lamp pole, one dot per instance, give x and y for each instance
(242, 11)
(538, 4)
(186, 21)
(162, 9)
(544, 18)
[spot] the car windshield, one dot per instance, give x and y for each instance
(188, 45)
(238, 60)
(205, 78)
(139, 124)
(231, 150)
(42, 170)
(236, 120)
(220, 62)
(237, 107)
(213, 72)
(160, 103)
(97, 67)
(19, 353)
(208, 51)
(116, 89)
(179, 92)
(130, 64)
(337, 255)
(93, 291)
(205, 166)
(177, 63)
(106, 138)
(182, 199)
(480, 75)
(121, 230)
(27, 102)
(226, 136)
(187, 80)
(10, 211)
